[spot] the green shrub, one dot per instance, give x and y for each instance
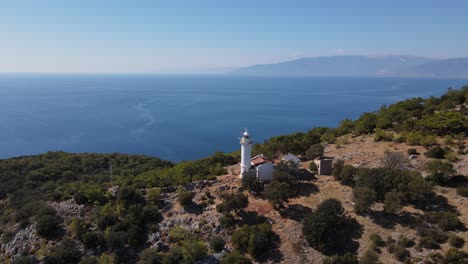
(233, 202)
(347, 258)
(313, 166)
(381, 135)
(316, 150)
(321, 228)
(401, 253)
(363, 198)
(405, 242)
(185, 198)
(277, 193)
(116, 239)
(227, 220)
(150, 256)
(48, 226)
(369, 257)
(217, 243)
(456, 241)
(93, 239)
(151, 213)
(66, 252)
(463, 191)
(377, 241)
(435, 153)
(235, 257)
(179, 234)
(412, 151)
(446, 221)
(255, 239)
(154, 197)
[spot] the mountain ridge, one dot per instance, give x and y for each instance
(363, 66)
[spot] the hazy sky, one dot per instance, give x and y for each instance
(208, 36)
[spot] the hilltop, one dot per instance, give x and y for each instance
(397, 194)
(364, 66)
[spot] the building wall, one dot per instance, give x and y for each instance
(325, 167)
(265, 172)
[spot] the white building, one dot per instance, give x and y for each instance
(263, 167)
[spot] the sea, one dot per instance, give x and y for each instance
(181, 117)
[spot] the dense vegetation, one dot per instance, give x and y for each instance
(416, 121)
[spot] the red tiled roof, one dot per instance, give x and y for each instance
(257, 160)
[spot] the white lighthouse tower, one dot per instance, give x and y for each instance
(246, 152)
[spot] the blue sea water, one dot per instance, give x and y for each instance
(181, 117)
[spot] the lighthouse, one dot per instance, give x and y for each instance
(246, 152)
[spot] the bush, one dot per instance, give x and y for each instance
(381, 135)
(227, 220)
(347, 258)
(405, 242)
(116, 239)
(217, 243)
(394, 160)
(93, 239)
(377, 241)
(248, 181)
(456, 241)
(446, 221)
(435, 153)
(235, 258)
(150, 256)
(151, 213)
(48, 226)
(313, 166)
(392, 202)
(369, 257)
(316, 150)
(255, 239)
(401, 253)
(66, 252)
(412, 151)
(463, 191)
(337, 168)
(322, 227)
(277, 193)
(233, 202)
(185, 198)
(363, 198)
(153, 196)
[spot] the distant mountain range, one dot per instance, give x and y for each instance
(398, 66)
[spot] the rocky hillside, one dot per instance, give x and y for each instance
(397, 195)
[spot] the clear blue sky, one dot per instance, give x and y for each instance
(209, 36)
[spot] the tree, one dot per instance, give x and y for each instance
(248, 180)
(321, 228)
(337, 168)
(77, 227)
(394, 160)
(217, 243)
(253, 239)
(48, 226)
(316, 150)
(439, 172)
(392, 202)
(363, 198)
(277, 193)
